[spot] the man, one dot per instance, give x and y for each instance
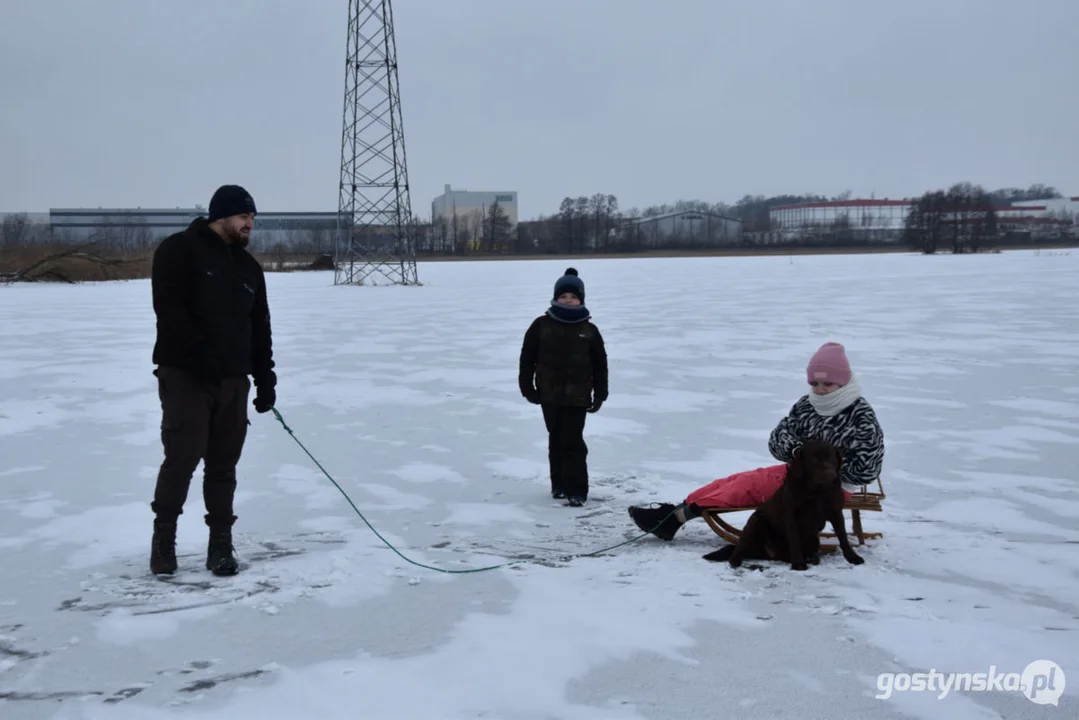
(213, 331)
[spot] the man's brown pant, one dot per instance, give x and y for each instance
(204, 421)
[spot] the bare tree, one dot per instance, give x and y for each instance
(597, 210)
(581, 218)
(610, 219)
(497, 229)
(15, 230)
(964, 214)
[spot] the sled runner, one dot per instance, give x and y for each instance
(860, 501)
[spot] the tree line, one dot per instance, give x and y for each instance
(589, 223)
(962, 218)
(596, 223)
(132, 235)
(967, 218)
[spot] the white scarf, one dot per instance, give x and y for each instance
(837, 401)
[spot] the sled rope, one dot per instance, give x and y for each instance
(390, 545)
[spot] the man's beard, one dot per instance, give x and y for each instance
(239, 238)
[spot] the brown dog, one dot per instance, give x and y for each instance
(786, 526)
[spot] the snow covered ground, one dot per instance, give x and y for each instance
(408, 397)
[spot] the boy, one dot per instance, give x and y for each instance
(563, 369)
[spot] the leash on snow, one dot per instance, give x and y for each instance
(390, 545)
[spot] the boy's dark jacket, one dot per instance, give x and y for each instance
(566, 361)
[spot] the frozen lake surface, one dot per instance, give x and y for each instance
(408, 396)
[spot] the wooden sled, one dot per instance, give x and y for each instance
(860, 501)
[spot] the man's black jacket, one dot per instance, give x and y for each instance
(213, 318)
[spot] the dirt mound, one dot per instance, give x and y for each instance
(70, 264)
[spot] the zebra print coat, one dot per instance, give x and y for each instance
(855, 431)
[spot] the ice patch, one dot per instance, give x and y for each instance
(519, 468)
(101, 534)
(715, 464)
(40, 508)
(993, 515)
(422, 472)
(1040, 405)
(486, 513)
(125, 629)
(394, 499)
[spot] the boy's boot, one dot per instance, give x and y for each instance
(163, 548)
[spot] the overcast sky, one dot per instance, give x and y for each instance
(153, 103)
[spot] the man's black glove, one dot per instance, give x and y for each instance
(265, 394)
(597, 403)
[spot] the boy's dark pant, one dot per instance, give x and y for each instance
(566, 449)
(204, 421)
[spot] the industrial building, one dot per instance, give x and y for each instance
(869, 215)
(683, 229)
(883, 221)
(459, 203)
(1056, 208)
(133, 228)
(461, 218)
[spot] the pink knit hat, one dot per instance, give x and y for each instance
(829, 364)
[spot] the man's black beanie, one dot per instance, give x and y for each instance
(230, 200)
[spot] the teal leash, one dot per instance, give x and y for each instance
(390, 545)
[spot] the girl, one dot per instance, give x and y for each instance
(834, 410)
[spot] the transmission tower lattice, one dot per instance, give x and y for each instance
(375, 228)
